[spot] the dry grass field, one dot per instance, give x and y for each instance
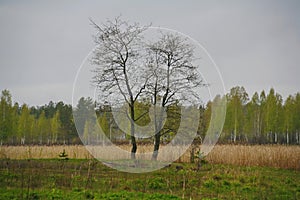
(278, 156)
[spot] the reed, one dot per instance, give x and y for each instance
(279, 156)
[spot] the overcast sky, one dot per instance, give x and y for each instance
(256, 44)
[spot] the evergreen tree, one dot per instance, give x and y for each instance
(67, 131)
(85, 117)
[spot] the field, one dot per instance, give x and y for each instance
(278, 156)
(232, 172)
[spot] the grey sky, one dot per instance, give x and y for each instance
(255, 44)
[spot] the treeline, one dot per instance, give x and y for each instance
(261, 119)
(48, 124)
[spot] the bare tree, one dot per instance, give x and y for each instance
(170, 77)
(174, 78)
(119, 73)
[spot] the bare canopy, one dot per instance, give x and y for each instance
(119, 74)
(175, 77)
(129, 68)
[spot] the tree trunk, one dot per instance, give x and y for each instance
(134, 148)
(133, 141)
(158, 127)
(23, 140)
(156, 146)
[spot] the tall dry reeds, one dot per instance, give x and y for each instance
(43, 152)
(279, 156)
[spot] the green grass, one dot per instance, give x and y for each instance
(89, 179)
(84, 194)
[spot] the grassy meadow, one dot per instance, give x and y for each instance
(231, 172)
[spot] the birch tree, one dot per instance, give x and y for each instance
(272, 116)
(24, 127)
(55, 127)
(5, 115)
(253, 118)
(235, 115)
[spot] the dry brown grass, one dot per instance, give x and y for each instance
(259, 155)
(278, 156)
(37, 152)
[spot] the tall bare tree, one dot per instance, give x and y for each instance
(174, 79)
(119, 73)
